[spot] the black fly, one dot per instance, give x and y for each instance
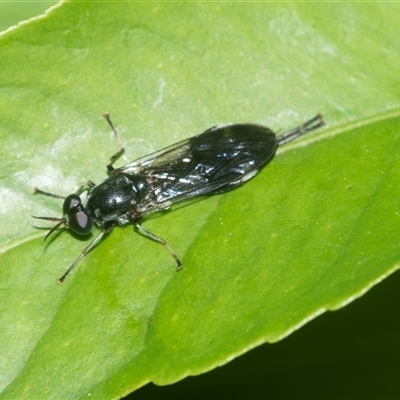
(218, 160)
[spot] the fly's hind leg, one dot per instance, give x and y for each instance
(161, 241)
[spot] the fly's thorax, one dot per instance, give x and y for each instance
(117, 198)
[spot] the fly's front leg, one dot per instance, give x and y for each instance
(119, 153)
(161, 241)
(86, 250)
(81, 188)
(38, 191)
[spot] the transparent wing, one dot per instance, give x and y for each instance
(217, 160)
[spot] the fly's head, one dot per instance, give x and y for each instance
(74, 217)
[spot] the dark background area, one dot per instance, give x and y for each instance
(352, 353)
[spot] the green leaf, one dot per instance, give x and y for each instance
(13, 12)
(313, 231)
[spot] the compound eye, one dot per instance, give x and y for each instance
(78, 220)
(71, 202)
(80, 223)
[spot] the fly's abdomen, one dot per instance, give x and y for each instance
(231, 152)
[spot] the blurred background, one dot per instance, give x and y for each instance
(353, 353)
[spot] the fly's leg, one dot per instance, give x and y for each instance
(81, 188)
(38, 191)
(86, 250)
(161, 241)
(119, 153)
(308, 126)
